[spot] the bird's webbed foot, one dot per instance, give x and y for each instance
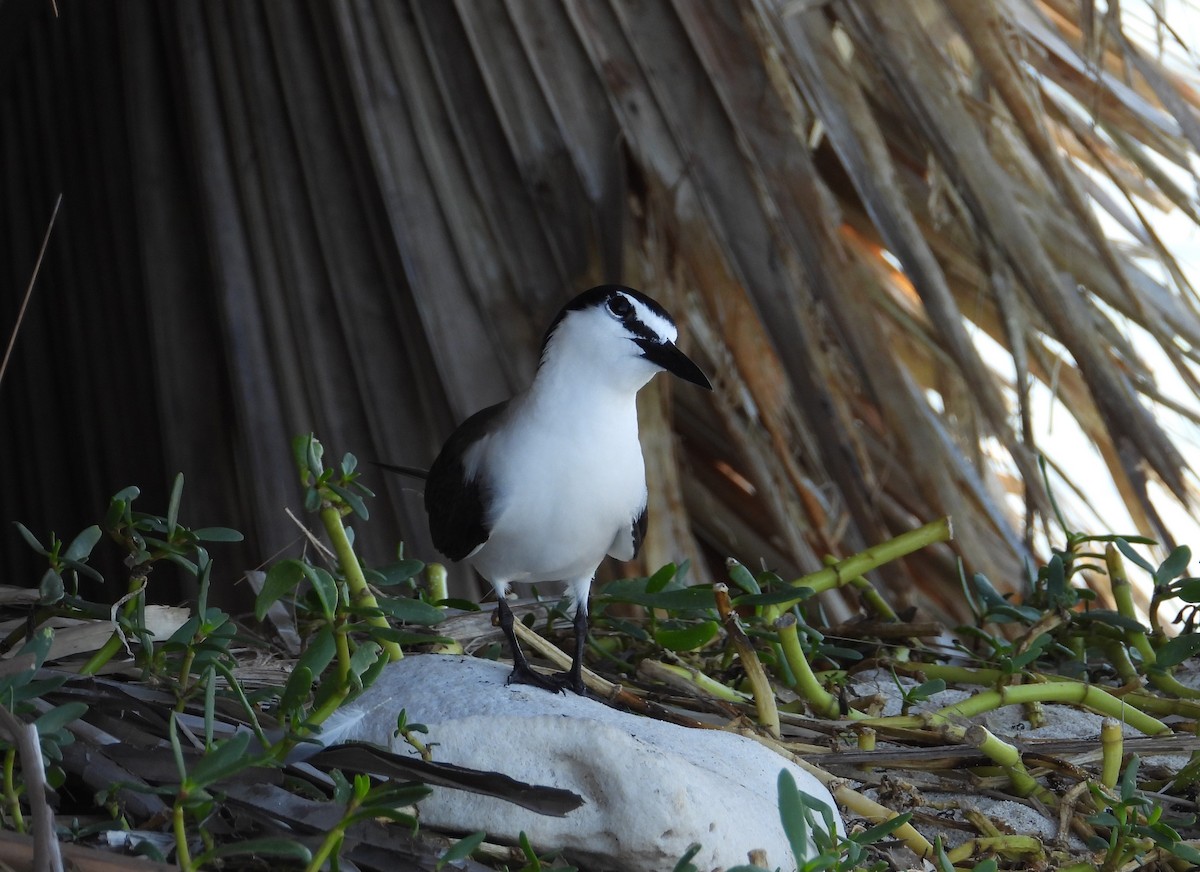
(523, 673)
(557, 682)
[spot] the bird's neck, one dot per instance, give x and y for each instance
(577, 389)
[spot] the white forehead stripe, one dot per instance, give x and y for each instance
(662, 327)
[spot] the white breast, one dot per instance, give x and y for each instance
(564, 486)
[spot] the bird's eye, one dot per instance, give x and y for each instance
(620, 306)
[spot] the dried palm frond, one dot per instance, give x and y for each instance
(895, 232)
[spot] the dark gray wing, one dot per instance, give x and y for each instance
(639, 532)
(627, 543)
(457, 507)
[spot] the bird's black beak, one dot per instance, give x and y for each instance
(669, 357)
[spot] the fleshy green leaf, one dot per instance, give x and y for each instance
(81, 546)
(324, 587)
(1056, 578)
(1127, 786)
(116, 511)
(128, 494)
(298, 685)
(660, 579)
(1187, 589)
(1112, 618)
(225, 759)
(286, 848)
(50, 588)
(775, 597)
(363, 658)
(794, 816)
(460, 604)
(928, 688)
(684, 599)
(398, 573)
(883, 830)
(281, 581)
(217, 534)
(687, 638)
(319, 652)
(1185, 852)
(1177, 650)
(1132, 555)
(185, 633)
(38, 645)
(411, 611)
(1174, 566)
(462, 849)
(182, 561)
(353, 500)
(403, 637)
(30, 539)
(684, 863)
(742, 577)
(59, 716)
(173, 505)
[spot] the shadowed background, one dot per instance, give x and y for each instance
(877, 224)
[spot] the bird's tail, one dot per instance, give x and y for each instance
(411, 471)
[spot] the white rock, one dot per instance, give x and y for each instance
(651, 788)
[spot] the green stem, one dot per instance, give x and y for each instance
(12, 795)
(1168, 683)
(439, 589)
(1152, 613)
(950, 674)
(332, 842)
(360, 594)
(1118, 656)
(691, 681)
(185, 671)
(1008, 758)
(416, 744)
(1157, 705)
(1066, 692)
(137, 587)
(318, 716)
(846, 571)
(1123, 595)
(1112, 743)
(236, 687)
(103, 655)
(183, 856)
(823, 703)
(870, 596)
(342, 643)
(874, 599)
(1007, 844)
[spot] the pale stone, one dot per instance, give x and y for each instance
(651, 788)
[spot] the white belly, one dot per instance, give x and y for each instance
(567, 491)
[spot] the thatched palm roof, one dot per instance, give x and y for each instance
(357, 218)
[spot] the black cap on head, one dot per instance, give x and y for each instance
(599, 296)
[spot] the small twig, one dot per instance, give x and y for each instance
(845, 797)
(325, 550)
(764, 693)
(46, 854)
(692, 682)
(37, 268)
(602, 687)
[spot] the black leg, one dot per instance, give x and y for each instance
(522, 672)
(575, 676)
